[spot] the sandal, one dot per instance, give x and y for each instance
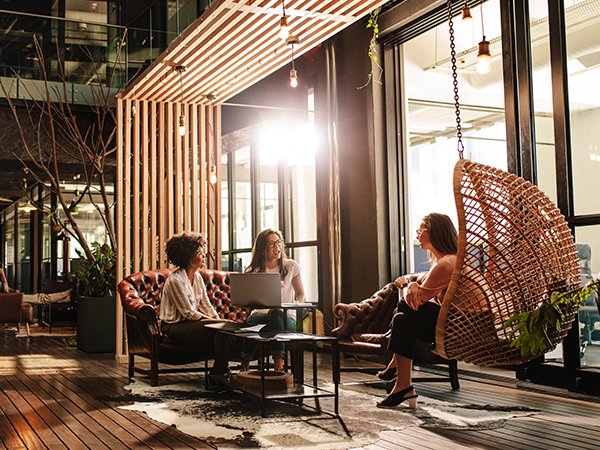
(399, 397)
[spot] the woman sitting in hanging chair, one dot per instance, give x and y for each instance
(418, 310)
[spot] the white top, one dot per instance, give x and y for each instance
(287, 289)
(183, 300)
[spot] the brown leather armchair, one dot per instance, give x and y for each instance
(13, 310)
(140, 296)
(362, 329)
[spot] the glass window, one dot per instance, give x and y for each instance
(268, 184)
(583, 62)
(224, 205)
(582, 20)
(431, 122)
(242, 221)
(23, 259)
(272, 180)
(306, 257)
(542, 98)
(9, 249)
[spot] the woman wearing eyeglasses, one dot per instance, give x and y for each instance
(418, 310)
(268, 255)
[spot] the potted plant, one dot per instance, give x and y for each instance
(531, 329)
(96, 307)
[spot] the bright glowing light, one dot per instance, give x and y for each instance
(483, 57)
(27, 207)
(295, 144)
(293, 78)
(284, 29)
(181, 127)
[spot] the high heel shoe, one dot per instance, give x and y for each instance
(387, 374)
(393, 400)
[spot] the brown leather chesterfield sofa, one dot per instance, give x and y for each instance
(140, 296)
(362, 329)
(13, 310)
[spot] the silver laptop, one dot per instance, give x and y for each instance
(255, 289)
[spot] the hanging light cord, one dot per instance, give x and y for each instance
(181, 85)
(482, 30)
(283, 7)
(293, 66)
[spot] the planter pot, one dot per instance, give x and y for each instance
(96, 324)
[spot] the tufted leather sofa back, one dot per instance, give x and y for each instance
(370, 316)
(141, 294)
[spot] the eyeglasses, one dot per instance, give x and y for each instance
(279, 242)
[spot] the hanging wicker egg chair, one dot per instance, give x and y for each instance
(514, 250)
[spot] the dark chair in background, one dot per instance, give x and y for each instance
(140, 297)
(362, 329)
(13, 310)
(589, 316)
(52, 314)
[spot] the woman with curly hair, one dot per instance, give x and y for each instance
(185, 308)
(268, 255)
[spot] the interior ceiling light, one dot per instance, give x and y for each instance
(466, 13)
(483, 55)
(293, 40)
(181, 127)
(284, 28)
(27, 207)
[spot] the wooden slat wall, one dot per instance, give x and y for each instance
(163, 184)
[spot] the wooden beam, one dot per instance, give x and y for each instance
(154, 201)
(145, 186)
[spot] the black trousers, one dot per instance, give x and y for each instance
(195, 332)
(409, 325)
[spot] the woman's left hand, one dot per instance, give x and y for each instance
(412, 296)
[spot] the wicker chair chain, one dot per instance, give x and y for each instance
(459, 143)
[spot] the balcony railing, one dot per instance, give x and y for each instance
(82, 54)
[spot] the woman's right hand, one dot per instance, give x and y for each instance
(401, 282)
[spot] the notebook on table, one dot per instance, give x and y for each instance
(255, 289)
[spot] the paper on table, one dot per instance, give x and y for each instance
(253, 329)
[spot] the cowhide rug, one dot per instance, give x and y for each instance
(231, 419)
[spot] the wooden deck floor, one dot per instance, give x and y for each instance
(54, 396)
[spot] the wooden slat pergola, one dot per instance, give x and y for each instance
(163, 183)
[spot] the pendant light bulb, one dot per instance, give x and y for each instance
(293, 78)
(181, 127)
(27, 207)
(213, 175)
(284, 28)
(466, 15)
(484, 57)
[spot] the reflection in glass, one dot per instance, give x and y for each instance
(224, 204)
(588, 251)
(242, 220)
(583, 58)
(306, 257)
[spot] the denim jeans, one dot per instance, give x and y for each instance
(273, 320)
